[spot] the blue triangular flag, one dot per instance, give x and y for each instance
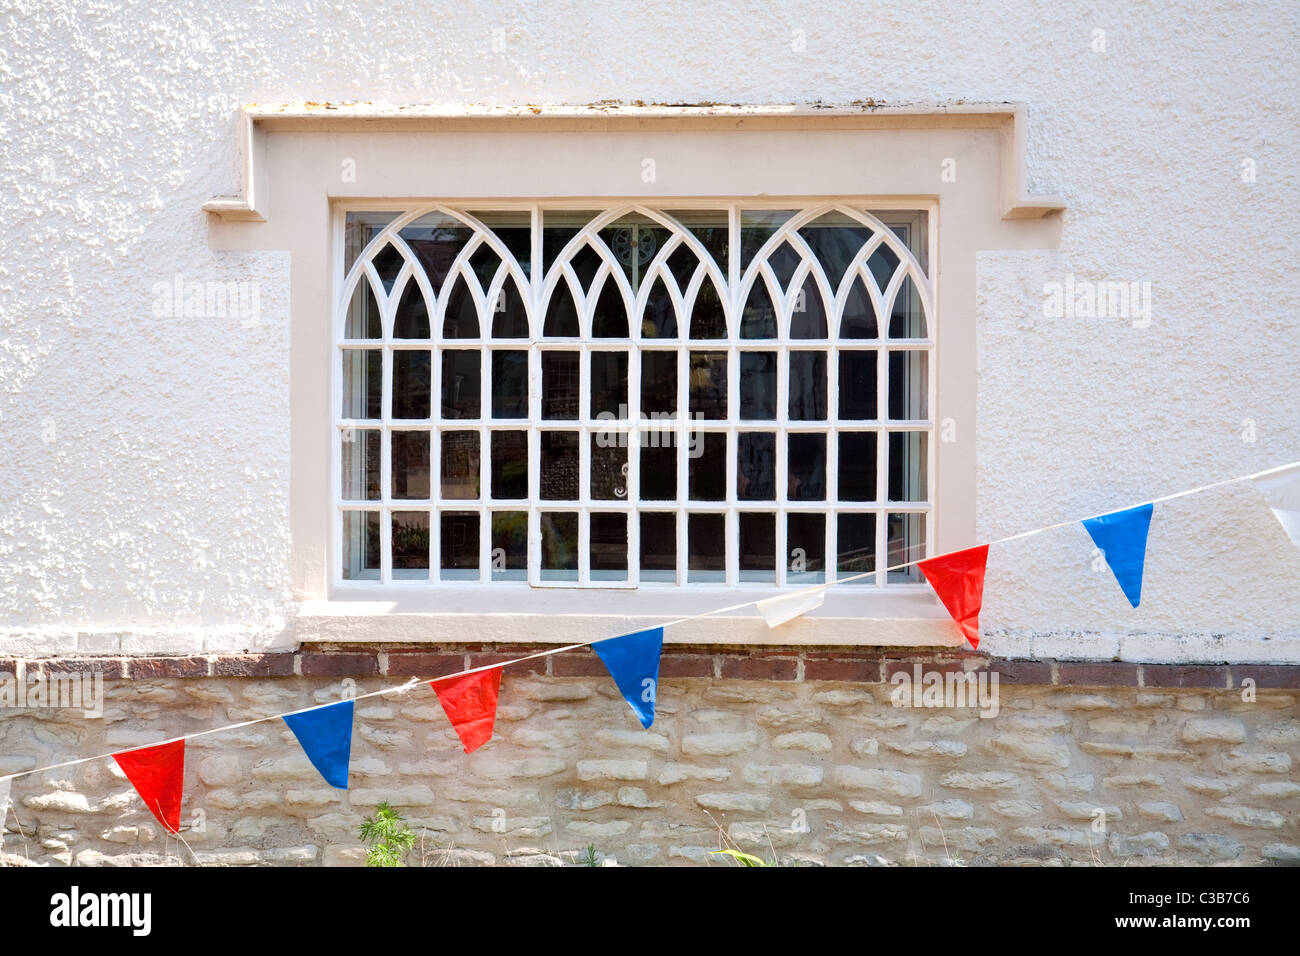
(326, 735)
(1122, 537)
(633, 662)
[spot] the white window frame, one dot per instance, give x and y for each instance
(735, 287)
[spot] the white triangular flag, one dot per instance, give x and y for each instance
(786, 607)
(1281, 489)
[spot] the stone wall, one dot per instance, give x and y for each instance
(799, 755)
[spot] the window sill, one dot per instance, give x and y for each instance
(895, 617)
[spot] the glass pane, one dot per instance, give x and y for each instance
(707, 466)
(908, 385)
(461, 321)
(807, 386)
(710, 227)
(855, 545)
(460, 465)
(360, 464)
(758, 319)
(361, 545)
(387, 262)
(561, 314)
(858, 320)
(459, 546)
(857, 466)
(756, 466)
(436, 240)
(561, 384)
(805, 546)
(410, 545)
(658, 384)
(907, 318)
(757, 547)
(515, 230)
(706, 539)
(363, 383)
(412, 319)
(756, 227)
(559, 546)
(509, 465)
(708, 385)
(609, 468)
(558, 228)
(858, 384)
(835, 239)
(907, 466)
(906, 544)
(808, 317)
(635, 240)
(609, 385)
(608, 546)
(359, 229)
(658, 546)
(806, 467)
(412, 384)
(509, 384)
(560, 466)
(363, 314)
(658, 472)
(509, 317)
(784, 260)
(708, 319)
(659, 320)
(610, 318)
(411, 465)
(509, 546)
(461, 386)
(758, 386)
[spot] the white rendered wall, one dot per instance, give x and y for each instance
(145, 475)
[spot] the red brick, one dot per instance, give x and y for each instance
(1265, 676)
(1185, 675)
(1096, 674)
(146, 668)
(577, 663)
(944, 665)
(1021, 672)
(686, 665)
(423, 663)
(111, 667)
(862, 670)
(253, 665)
(535, 666)
(316, 664)
(760, 668)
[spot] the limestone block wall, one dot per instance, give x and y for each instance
(799, 756)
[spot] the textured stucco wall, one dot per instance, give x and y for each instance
(145, 477)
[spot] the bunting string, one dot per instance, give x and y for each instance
(469, 701)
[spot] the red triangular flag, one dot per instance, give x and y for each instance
(158, 775)
(958, 579)
(470, 703)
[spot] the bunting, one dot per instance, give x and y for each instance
(786, 607)
(633, 661)
(470, 703)
(1122, 538)
(958, 579)
(1281, 489)
(158, 775)
(326, 737)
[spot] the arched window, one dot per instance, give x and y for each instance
(634, 396)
